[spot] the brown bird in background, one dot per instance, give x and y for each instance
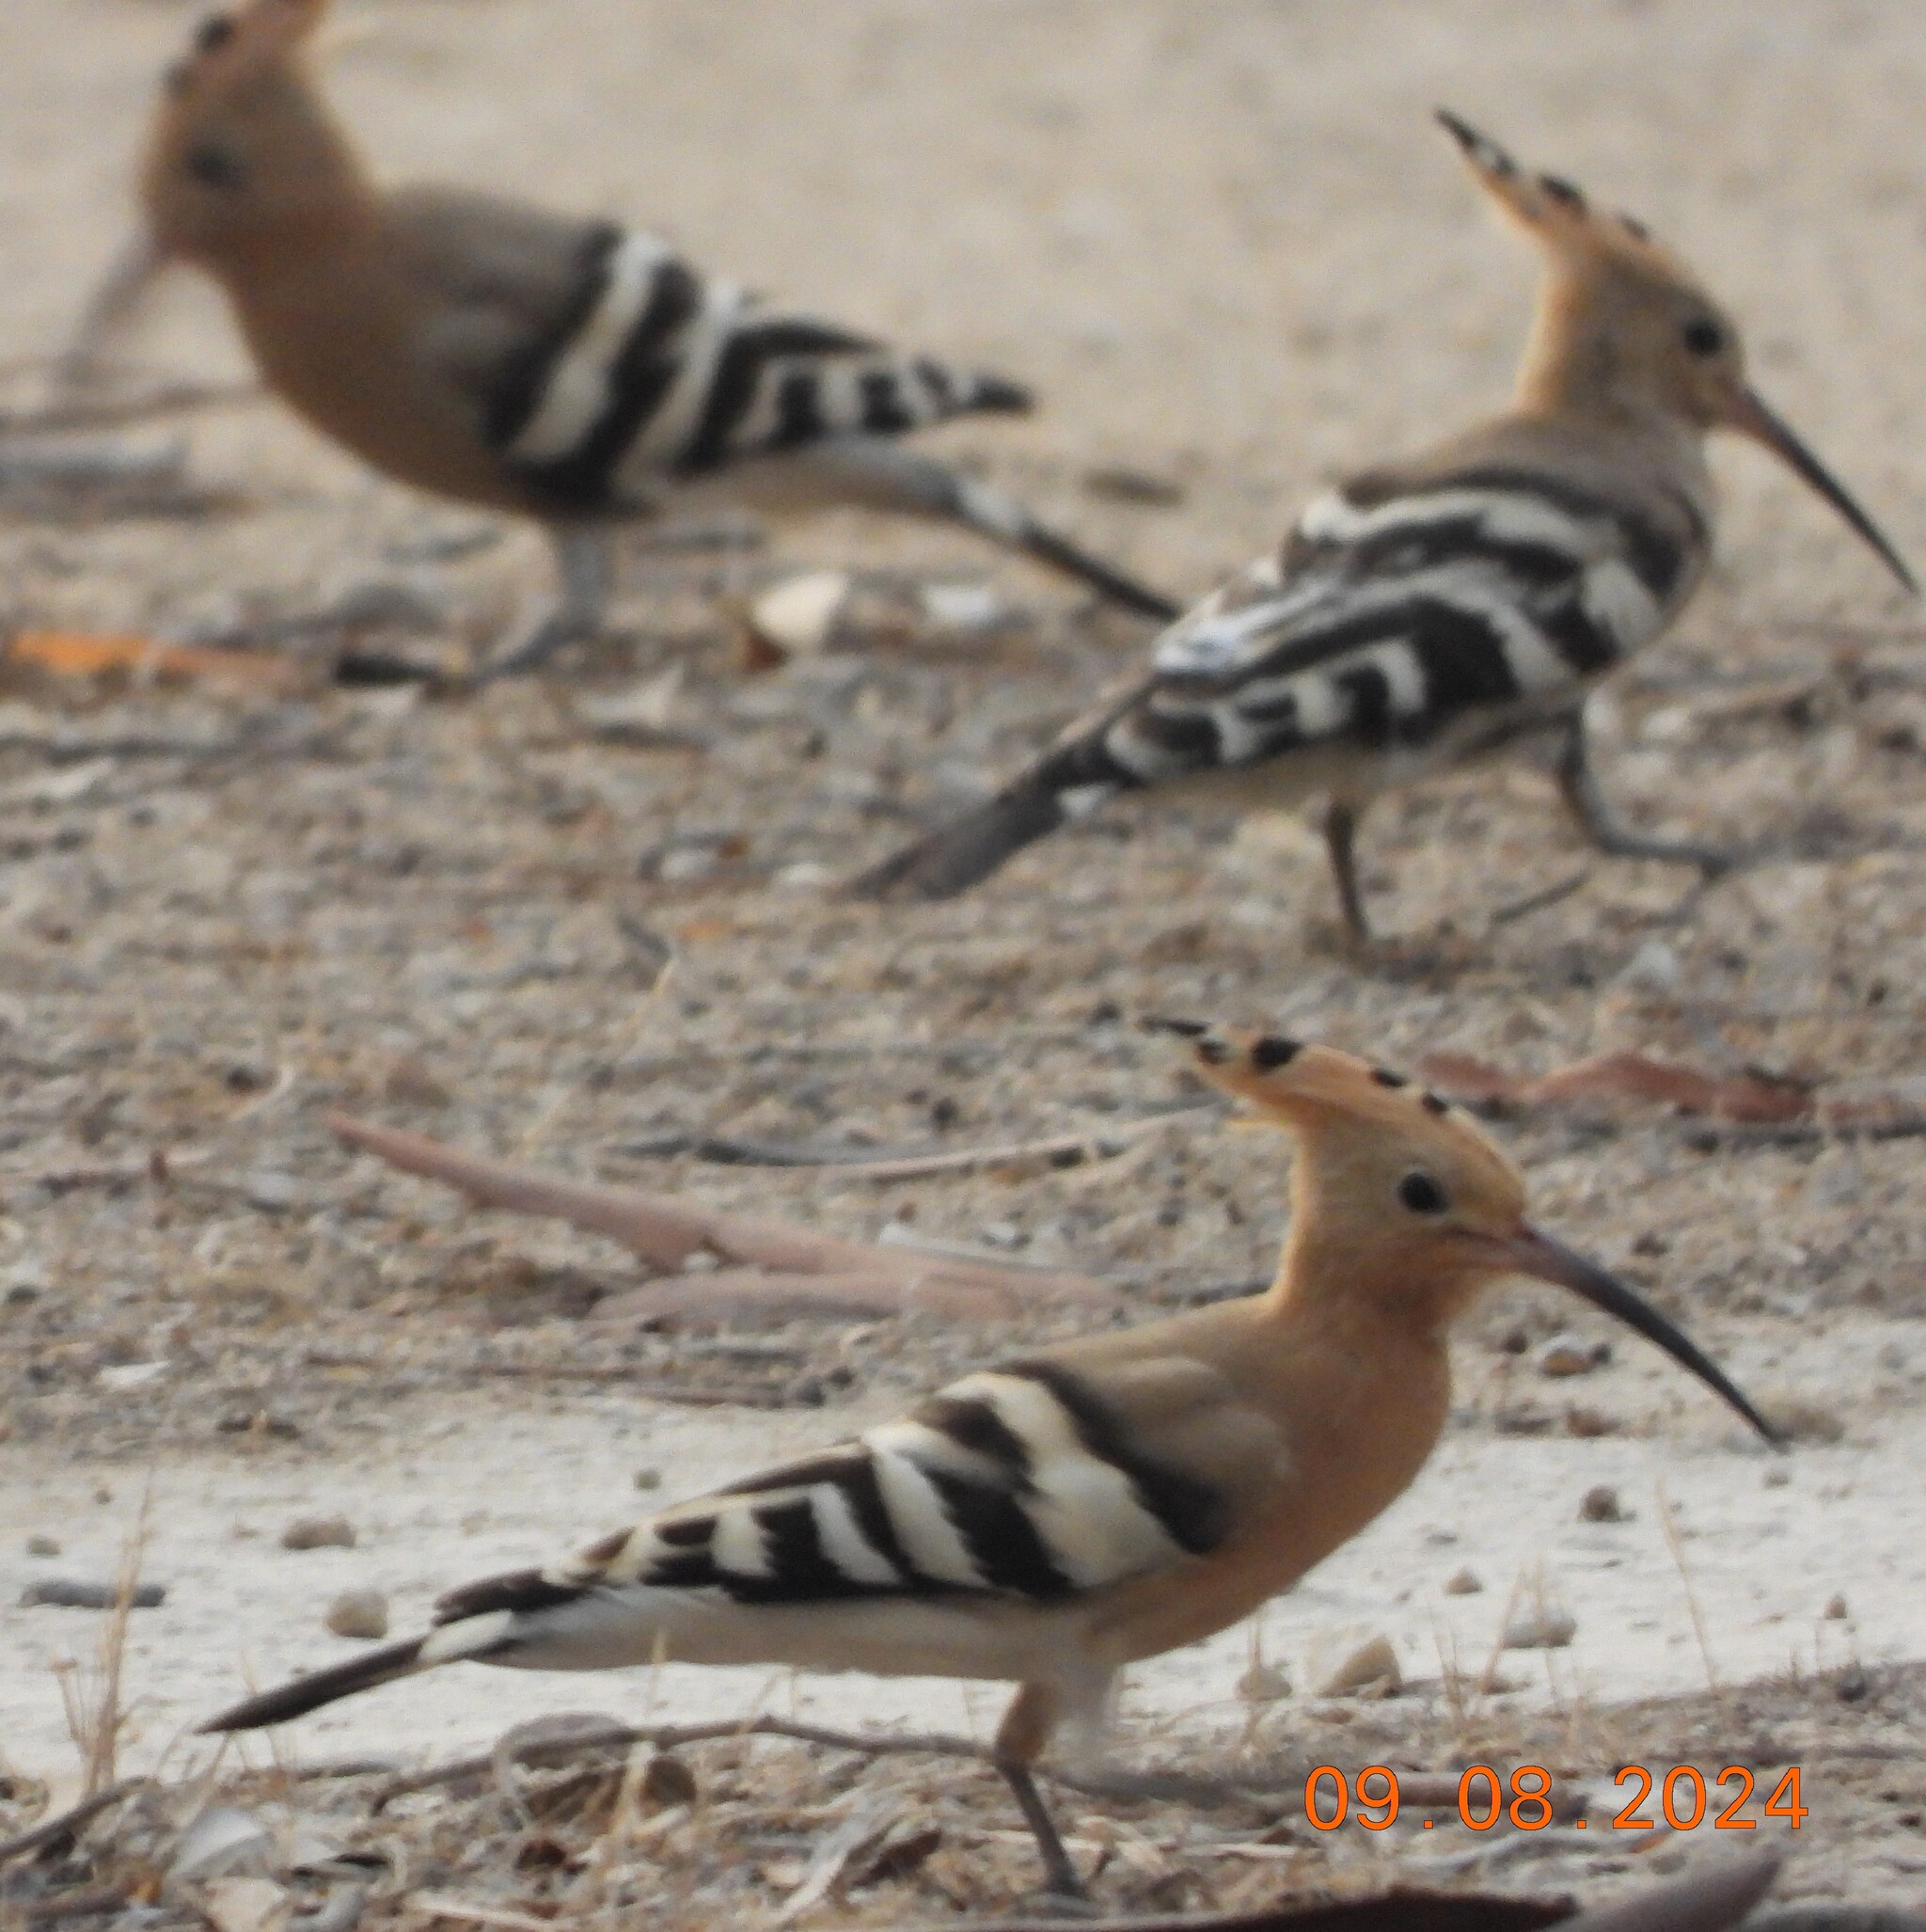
(482, 350)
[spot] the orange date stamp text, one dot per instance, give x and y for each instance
(1483, 1797)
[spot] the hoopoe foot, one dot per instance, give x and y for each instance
(1404, 957)
(1061, 1882)
(1603, 826)
(585, 563)
(1049, 1903)
(536, 646)
(1619, 842)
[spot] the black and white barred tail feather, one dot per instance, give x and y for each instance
(644, 377)
(1402, 626)
(1013, 1488)
(650, 373)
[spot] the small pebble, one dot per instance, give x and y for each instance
(273, 1193)
(1122, 485)
(1600, 1504)
(799, 614)
(648, 1478)
(410, 1082)
(257, 1422)
(1466, 1582)
(1370, 1670)
(1653, 968)
(62, 1594)
(221, 1841)
(1569, 1354)
(668, 1781)
(318, 1532)
(1582, 1419)
(121, 1376)
(361, 1613)
(685, 867)
(1799, 1419)
(102, 1494)
(42, 1546)
(1835, 1611)
(1540, 1629)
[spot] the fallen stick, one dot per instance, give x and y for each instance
(84, 1813)
(1065, 1149)
(551, 1741)
(751, 1294)
(445, 1905)
(112, 412)
(740, 1396)
(667, 1233)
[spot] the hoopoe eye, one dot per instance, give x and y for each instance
(1704, 337)
(214, 167)
(1421, 1194)
(214, 33)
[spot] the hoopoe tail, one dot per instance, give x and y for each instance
(305, 1694)
(491, 1622)
(1071, 782)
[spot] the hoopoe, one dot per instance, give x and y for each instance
(573, 372)
(1432, 610)
(1056, 1517)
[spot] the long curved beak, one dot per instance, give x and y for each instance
(1751, 415)
(1531, 1252)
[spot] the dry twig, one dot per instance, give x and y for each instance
(798, 1263)
(49, 1830)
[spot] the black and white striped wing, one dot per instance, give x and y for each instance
(1409, 623)
(610, 368)
(1013, 1483)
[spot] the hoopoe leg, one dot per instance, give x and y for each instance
(1020, 1738)
(1607, 830)
(1340, 841)
(585, 568)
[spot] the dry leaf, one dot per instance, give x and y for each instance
(83, 654)
(1624, 1076)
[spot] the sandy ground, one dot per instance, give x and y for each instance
(1229, 250)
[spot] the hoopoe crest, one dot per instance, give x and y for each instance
(1625, 331)
(244, 147)
(1052, 1518)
